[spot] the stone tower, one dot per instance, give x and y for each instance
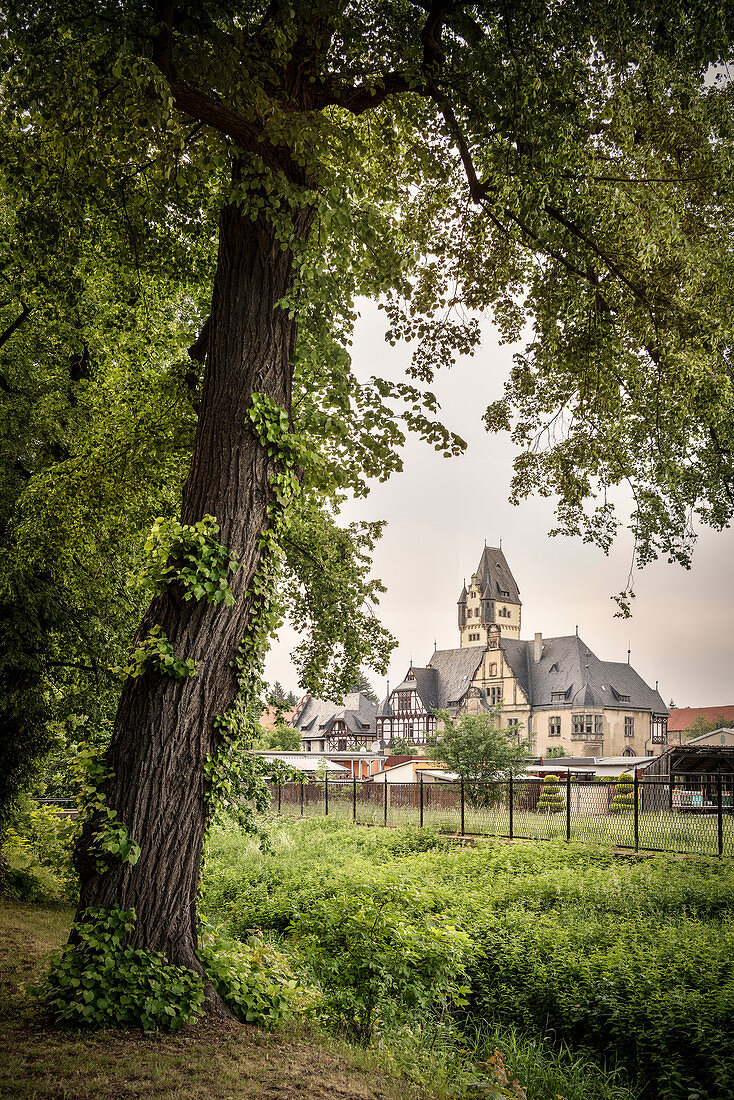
(492, 597)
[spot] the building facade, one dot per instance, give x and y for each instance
(556, 692)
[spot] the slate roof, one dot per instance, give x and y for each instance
(357, 711)
(454, 670)
(567, 668)
(495, 576)
(568, 665)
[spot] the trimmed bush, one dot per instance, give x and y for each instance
(551, 800)
(623, 801)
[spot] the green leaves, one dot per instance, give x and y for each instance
(190, 556)
(155, 653)
(255, 980)
(98, 981)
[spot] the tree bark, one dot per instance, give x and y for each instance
(164, 728)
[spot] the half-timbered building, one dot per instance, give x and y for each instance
(336, 727)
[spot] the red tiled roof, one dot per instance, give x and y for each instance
(269, 717)
(682, 717)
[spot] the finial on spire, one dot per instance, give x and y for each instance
(577, 630)
(629, 651)
(435, 644)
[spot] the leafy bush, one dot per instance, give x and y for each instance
(568, 944)
(38, 848)
(378, 959)
(98, 981)
(254, 979)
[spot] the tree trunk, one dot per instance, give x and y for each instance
(164, 728)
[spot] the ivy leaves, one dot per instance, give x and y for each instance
(190, 556)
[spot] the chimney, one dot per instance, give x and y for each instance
(538, 647)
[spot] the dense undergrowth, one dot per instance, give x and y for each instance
(598, 976)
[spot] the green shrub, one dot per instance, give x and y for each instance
(623, 801)
(551, 800)
(37, 852)
(98, 981)
(378, 959)
(253, 979)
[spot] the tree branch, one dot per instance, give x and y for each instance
(19, 320)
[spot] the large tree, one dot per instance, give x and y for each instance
(569, 161)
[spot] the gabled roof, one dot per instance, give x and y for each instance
(495, 576)
(421, 680)
(454, 670)
(317, 715)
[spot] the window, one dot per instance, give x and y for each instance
(558, 696)
(404, 698)
(659, 729)
(493, 670)
(588, 725)
(629, 727)
(494, 694)
(554, 726)
(512, 722)
(624, 698)
(342, 746)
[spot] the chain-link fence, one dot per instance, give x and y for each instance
(678, 813)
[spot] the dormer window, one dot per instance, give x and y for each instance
(558, 696)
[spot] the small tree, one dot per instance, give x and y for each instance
(476, 749)
(701, 725)
(556, 751)
(401, 746)
(362, 684)
(279, 736)
(623, 801)
(551, 799)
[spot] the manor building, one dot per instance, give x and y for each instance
(554, 691)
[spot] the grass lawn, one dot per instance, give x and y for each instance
(207, 1060)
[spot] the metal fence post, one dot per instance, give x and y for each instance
(568, 804)
(637, 811)
(385, 801)
(420, 786)
(301, 797)
(280, 793)
(670, 791)
(354, 798)
(511, 807)
(720, 813)
(462, 805)
(326, 794)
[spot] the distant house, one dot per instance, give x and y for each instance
(269, 717)
(336, 727)
(411, 771)
(681, 719)
(555, 690)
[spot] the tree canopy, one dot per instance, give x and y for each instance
(193, 197)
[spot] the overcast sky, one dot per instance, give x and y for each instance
(440, 511)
